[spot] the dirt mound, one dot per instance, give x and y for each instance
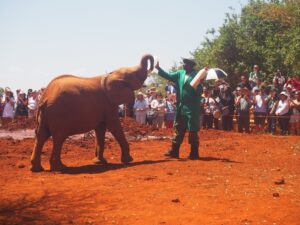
(20, 124)
(135, 129)
(130, 126)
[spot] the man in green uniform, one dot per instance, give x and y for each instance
(187, 107)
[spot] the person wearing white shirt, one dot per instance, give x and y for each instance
(150, 115)
(282, 112)
(32, 104)
(140, 108)
(260, 109)
(159, 106)
(9, 106)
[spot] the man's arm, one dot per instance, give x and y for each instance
(169, 76)
(199, 78)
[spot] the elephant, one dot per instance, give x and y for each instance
(72, 105)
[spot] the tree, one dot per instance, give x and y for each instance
(266, 33)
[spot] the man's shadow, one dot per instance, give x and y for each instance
(209, 158)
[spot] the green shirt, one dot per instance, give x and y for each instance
(253, 75)
(188, 99)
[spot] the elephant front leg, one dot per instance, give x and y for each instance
(100, 140)
(117, 131)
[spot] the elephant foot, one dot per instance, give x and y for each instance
(126, 159)
(58, 167)
(100, 161)
(36, 168)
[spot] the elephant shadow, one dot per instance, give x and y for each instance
(97, 168)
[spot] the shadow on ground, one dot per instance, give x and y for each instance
(94, 168)
(218, 159)
(25, 211)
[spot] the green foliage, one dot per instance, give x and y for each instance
(266, 34)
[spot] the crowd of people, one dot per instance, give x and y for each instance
(273, 108)
(155, 109)
(18, 105)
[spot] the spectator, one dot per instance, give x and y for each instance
(210, 106)
(237, 92)
(279, 80)
(170, 88)
(276, 86)
(227, 108)
(1, 104)
(244, 83)
(151, 93)
(272, 101)
(254, 75)
(140, 108)
(9, 105)
(294, 83)
(151, 114)
(40, 94)
(243, 105)
(260, 109)
(282, 113)
(121, 110)
(259, 84)
(288, 89)
(202, 101)
(295, 114)
(22, 102)
(32, 103)
(170, 110)
(159, 106)
(218, 85)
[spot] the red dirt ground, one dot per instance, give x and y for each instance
(240, 179)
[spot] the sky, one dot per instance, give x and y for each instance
(41, 39)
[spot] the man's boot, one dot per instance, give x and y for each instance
(194, 154)
(174, 152)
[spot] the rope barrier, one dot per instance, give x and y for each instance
(251, 115)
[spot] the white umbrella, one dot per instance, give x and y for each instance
(215, 74)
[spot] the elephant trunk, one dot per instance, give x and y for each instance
(144, 62)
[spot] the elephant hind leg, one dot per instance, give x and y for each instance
(42, 134)
(55, 159)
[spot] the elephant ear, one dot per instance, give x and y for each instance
(118, 91)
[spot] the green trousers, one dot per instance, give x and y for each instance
(180, 129)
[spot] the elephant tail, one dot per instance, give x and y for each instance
(144, 62)
(40, 120)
